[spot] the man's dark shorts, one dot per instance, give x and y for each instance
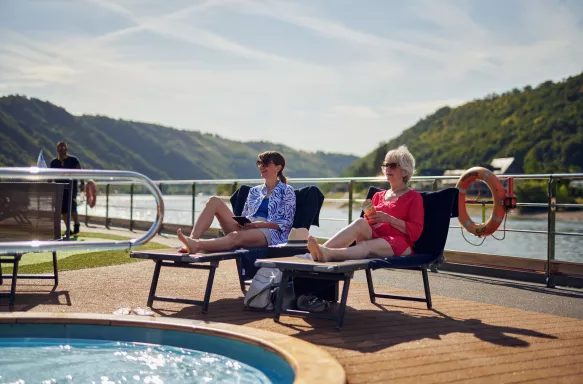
(65, 207)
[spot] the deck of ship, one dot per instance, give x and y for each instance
(392, 341)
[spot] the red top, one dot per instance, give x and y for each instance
(409, 208)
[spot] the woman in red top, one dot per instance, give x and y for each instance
(394, 228)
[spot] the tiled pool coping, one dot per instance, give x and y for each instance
(311, 364)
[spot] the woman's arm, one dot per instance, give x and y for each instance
(285, 211)
(413, 226)
(262, 224)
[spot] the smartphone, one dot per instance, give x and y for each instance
(242, 220)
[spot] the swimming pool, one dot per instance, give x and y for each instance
(69, 348)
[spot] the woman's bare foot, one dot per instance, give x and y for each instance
(190, 245)
(314, 248)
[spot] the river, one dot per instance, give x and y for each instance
(178, 210)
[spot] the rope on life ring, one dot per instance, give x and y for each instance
(90, 193)
(498, 195)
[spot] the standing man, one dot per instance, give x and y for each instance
(65, 161)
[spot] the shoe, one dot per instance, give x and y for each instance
(312, 304)
(76, 230)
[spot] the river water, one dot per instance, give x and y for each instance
(333, 217)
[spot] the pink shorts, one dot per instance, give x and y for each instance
(398, 243)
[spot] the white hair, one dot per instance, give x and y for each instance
(404, 158)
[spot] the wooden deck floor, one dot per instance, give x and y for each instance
(393, 341)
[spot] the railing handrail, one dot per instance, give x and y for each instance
(40, 174)
(537, 176)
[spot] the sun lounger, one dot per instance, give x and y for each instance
(308, 203)
(28, 211)
(439, 207)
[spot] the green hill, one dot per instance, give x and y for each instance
(29, 125)
(542, 128)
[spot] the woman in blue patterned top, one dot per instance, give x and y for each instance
(270, 207)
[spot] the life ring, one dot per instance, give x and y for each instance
(498, 196)
(90, 193)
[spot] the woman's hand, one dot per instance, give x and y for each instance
(251, 226)
(379, 218)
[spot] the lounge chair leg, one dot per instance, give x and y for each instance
(154, 282)
(370, 286)
(209, 286)
(13, 285)
(342, 309)
(55, 269)
(426, 286)
(279, 301)
(240, 273)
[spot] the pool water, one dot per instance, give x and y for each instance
(69, 361)
(80, 353)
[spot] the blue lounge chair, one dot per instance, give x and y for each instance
(440, 207)
(308, 203)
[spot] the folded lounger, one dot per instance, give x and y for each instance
(439, 206)
(308, 203)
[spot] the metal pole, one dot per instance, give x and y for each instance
(552, 207)
(70, 204)
(131, 207)
(193, 202)
(107, 206)
(350, 200)
(234, 187)
(434, 186)
(162, 192)
(86, 211)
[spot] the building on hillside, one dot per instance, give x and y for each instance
(505, 166)
(499, 166)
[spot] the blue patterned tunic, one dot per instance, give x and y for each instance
(281, 209)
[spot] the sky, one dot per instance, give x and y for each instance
(328, 75)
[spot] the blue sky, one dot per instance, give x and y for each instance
(330, 75)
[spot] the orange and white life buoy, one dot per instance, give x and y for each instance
(90, 193)
(498, 196)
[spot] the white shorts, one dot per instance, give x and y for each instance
(265, 231)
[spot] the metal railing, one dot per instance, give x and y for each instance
(40, 174)
(431, 183)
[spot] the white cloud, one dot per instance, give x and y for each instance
(243, 86)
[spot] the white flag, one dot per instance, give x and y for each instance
(40, 163)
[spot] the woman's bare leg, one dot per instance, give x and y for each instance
(362, 250)
(358, 230)
(252, 238)
(215, 207)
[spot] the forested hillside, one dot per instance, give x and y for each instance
(29, 125)
(542, 128)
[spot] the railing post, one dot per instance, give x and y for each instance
(434, 186)
(350, 200)
(86, 212)
(107, 206)
(552, 207)
(193, 202)
(234, 188)
(161, 225)
(131, 207)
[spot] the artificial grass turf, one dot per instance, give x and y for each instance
(88, 259)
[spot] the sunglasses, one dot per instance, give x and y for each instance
(390, 165)
(260, 163)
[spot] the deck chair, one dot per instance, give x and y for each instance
(439, 207)
(28, 211)
(308, 203)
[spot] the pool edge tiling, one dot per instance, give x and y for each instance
(310, 363)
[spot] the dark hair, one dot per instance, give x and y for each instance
(61, 142)
(277, 159)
